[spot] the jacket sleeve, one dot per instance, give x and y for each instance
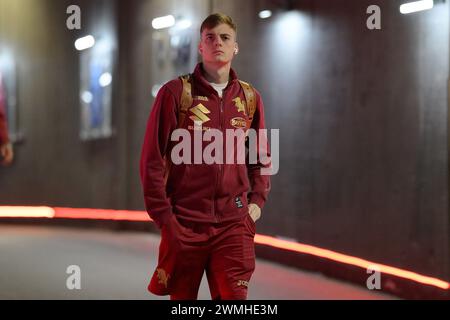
(161, 122)
(3, 126)
(259, 183)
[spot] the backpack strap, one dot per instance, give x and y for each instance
(186, 98)
(250, 102)
(185, 103)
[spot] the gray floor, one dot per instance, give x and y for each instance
(117, 265)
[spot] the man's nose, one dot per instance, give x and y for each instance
(217, 41)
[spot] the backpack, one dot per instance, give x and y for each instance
(186, 101)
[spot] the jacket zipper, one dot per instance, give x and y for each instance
(219, 171)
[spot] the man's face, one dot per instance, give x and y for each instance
(218, 45)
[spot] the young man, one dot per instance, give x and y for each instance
(206, 212)
(6, 150)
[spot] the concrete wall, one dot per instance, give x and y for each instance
(53, 166)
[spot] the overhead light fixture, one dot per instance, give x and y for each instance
(265, 14)
(84, 43)
(163, 22)
(105, 79)
(416, 6)
(87, 97)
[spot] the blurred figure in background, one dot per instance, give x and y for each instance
(6, 149)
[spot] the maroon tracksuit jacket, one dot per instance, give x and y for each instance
(199, 192)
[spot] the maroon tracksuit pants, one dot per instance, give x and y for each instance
(225, 251)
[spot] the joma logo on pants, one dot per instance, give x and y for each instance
(242, 283)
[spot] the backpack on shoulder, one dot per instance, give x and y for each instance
(186, 101)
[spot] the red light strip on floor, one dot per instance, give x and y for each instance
(335, 256)
(26, 212)
(101, 214)
(127, 215)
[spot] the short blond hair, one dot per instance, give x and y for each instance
(213, 20)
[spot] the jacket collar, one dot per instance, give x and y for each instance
(199, 77)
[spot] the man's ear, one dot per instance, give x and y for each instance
(236, 48)
(200, 49)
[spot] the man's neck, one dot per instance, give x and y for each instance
(217, 74)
